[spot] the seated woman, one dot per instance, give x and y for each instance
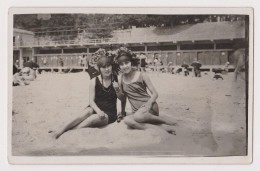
(133, 85)
(102, 101)
(24, 76)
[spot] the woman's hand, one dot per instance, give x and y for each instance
(116, 86)
(120, 113)
(120, 116)
(147, 106)
(101, 114)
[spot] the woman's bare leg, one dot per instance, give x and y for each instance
(93, 121)
(75, 122)
(130, 121)
(143, 116)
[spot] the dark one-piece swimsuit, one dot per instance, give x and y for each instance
(106, 99)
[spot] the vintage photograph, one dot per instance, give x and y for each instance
(130, 84)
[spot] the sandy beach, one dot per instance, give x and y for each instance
(210, 114)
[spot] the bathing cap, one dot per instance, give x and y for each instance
(103, 61)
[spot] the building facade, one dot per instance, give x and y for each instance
(210, 43)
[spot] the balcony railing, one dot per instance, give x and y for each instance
(141, 39)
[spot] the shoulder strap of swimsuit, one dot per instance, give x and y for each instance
(140, 76)
(97, 80)
(141, 79)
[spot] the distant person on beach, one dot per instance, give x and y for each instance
(185, 68)
(80, 61)
(241, 62)
(17, 63)
(102, 109)
(24, 76)
(84, 61)
(226, 67)
(15, 69)
(33, 65)
(170, 68)
(45, 61)
(61, 61)
(155, 62)
(133, 85)
(143, 61)
(28, 74)
(196, 68)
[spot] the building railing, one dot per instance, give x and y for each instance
(137, 39)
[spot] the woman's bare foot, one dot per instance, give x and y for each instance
(169, 129)
(55, 135)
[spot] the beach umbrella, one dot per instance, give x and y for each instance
(31, 64)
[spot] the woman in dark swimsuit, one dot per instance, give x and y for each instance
(102, 101)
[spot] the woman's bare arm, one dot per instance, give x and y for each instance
(122, 96)
(119, 89)
(92, 96)
(151, 88)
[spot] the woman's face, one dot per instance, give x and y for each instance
(125, 64)
(106, 71)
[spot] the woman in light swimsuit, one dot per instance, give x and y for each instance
(133, 85)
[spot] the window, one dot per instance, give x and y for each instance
(224, 46)
(51, 51)
(197, 46)
(75, 50)
(162, 48)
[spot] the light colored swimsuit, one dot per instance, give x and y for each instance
(136, 92)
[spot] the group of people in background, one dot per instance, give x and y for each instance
(158, 66)
(25, 75)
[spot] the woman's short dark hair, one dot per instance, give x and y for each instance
(103, 61)
(129, 54)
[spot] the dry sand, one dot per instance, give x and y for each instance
(210, 114)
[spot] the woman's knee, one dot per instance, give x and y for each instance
(144, 117)
(86, 114)
(89, 110)
(96, 120)
(139, 117)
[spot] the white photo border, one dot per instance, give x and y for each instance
(134, 159)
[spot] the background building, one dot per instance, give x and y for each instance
(210, 42)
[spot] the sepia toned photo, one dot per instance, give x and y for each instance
(129, 85)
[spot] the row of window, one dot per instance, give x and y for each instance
(149, 48)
